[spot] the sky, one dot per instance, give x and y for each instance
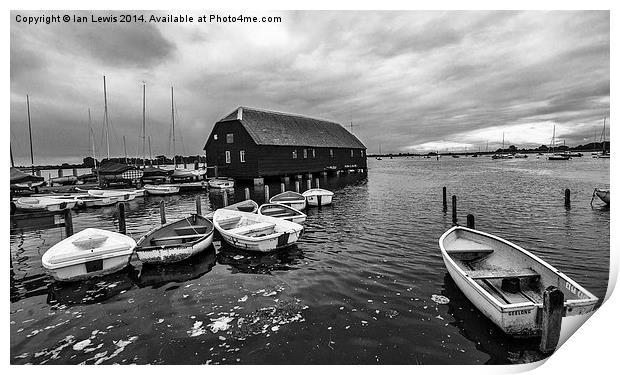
(409, 81)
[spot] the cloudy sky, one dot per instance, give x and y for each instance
(409, 81)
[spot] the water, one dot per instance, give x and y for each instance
(357, 288)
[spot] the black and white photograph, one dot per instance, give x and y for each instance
(307, 187)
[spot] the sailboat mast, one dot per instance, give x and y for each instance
(174, 153)
(125, 148)
(553, 139)
(30, 133)
(150, 154)
(105, 116)
(143, 124)
(11, 150)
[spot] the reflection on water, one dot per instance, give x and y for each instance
(357, 288)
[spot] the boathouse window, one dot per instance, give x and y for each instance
(351, 153)
(362, 153)
(215, 137)
(313, 154)
(305, 153)
(242, 156)
(229, 138)
(331, 153)
(228, 157)
(294, 154)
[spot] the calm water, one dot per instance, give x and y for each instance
(356, 289)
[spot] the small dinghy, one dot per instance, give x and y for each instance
(244, 206)
(161, 189)
(603, 195)
(291, 199)
(44, 204)
(505, 282)
(89, 253)
(114, 195)
(318, 197)
(136, 192)
(282, 211)
(254, 232)
(176, 241)
(218, 183)
(84, 200)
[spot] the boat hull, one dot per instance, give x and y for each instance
(37, 204)
(318, 197)
(161, 190)
(173, 254)
(81, 271)
(603, 195)
(221, 184)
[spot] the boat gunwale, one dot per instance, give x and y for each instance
(499, 305)
(185, 244)
(298, 214)
(257, 239)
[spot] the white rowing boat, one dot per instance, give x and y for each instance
(243, 206)
(114, 195)
(282, 211)
(84, 200)
(254, 232)
(603, 194)
(161, 189)
(44, 204)
(505, 282)
(318, 197)
(177, 241)
(291, 199)
(218, 183)
(89, 253)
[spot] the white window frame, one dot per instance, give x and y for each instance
(215, 137)
(242, 156)
(230, 138)
(305, 153)
(313, 153)
(331, 152)
(351, 152)
(227, 154)
(295, 154)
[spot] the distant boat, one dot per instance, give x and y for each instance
(43, 204)
(603, 154)
(290, 198)
(83, 200)
(505, 282)
(282, 211)
(64, 180)
(573, 154)
(554, 155)
(89, 253)
(254, 232)
(603, 195)
(520, 156)
(219, 183)
(115, 195)
(243, 206)
(318, 197)
(161, 189)
(177, 241)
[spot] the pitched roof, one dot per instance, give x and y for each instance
(283, 129)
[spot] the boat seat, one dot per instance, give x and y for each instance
(177, 238)
(502, 274)
(197, 229)
(229, 220)
(253, 229)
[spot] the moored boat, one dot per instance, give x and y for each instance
(218, 183)
(161, 189)
(44, 204)
(282, 211)
(89, 253)
(318, 197)
(505, 282)
(243, 206)
(603, 195)
(174, 242)
(114, 195)
(558, 157)
(291, 199)
(252, 232)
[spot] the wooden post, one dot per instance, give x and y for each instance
(75, 172)
(454, 221)
(247, 194)
(162, 212)
(567, 197)
(553, 309)
(60, 172)
(471, 221)
(215, 171)
(282, 187)
(297, 186)
(316, 181)
(266, 193)
(225, 198)
(122, 226)
(309, 184)
(445, 199)
(198, 206)
(68, 223)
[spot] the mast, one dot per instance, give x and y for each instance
(30, 133)
(11, 150)
(105, 116)
(150, 154)
(553, 140)
(174, 153)
(125, 148)
(602, 136)
(143, 124)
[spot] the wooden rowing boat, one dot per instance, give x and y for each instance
(44, 204)
(505, 282)
(291, 199)
(114, 195)
(243, 206)
(318, 197)
(254, 232)
(89, 253)
(174, 242)
(603, 194)
(218, 183)
(161, 189)
(282, 211)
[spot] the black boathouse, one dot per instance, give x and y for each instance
(254, 144)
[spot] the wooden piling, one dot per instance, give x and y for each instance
(60, 172)
(198, 205)
(567, 197)
(247, 194)
(471, 221)
(68, 223)
(122, 225)
(297, 186)
(282, 187)
(266, 193)
(75, 173)
(309, 184)
(445, 199)
(225, 198)
(454, 220)
(316, 182)
(553, 309)
(162, 212)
